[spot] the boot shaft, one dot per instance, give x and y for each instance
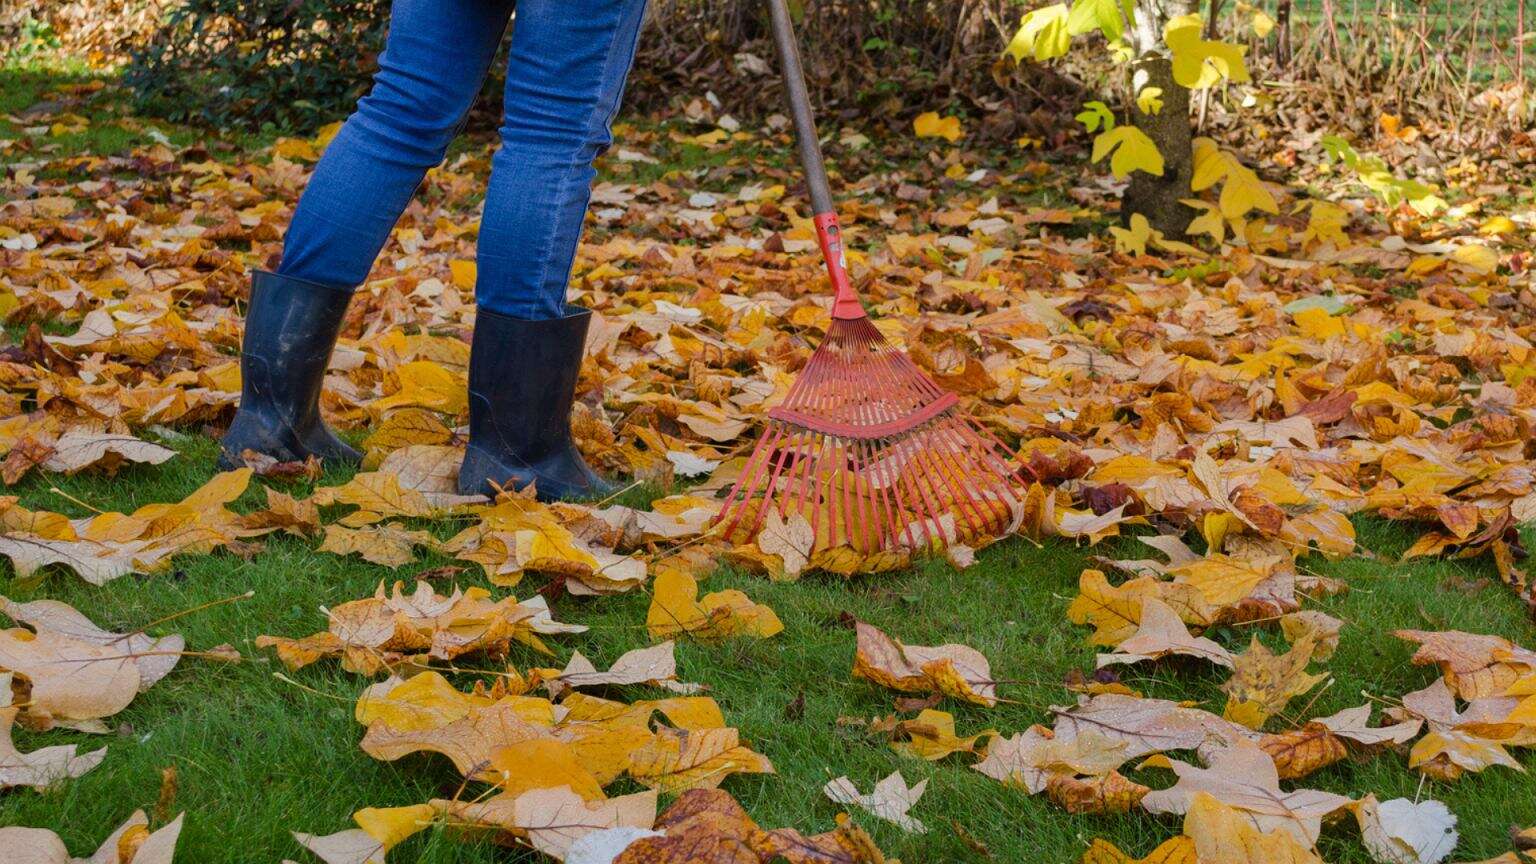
(290, 330)
(522, 380)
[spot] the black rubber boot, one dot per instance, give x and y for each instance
(522, 381)
(290, 329)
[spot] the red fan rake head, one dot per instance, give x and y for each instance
(874, 454)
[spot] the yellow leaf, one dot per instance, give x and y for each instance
(1227, 835)
(1042, 34)
(1325, 224)
(425, 384)
(463, 273)
(675, 609)
(1242, 190)
(1476, 257)
(1209, 221)
(391, 825)
(1150, 100)
(1198, 62)
(1316, 323)
(1133, 240)
(1176, 850)
(931, 125)
(1133, 151)
(1263, 25)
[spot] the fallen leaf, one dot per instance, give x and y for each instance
(954, 670)
(891, 799)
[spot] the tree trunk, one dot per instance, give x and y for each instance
(1283, 34)
(1157, 198)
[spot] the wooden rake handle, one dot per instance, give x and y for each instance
(845, 301)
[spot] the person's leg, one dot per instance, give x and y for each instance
(565, 80)
(434, 63)
(432, 67)
(570, 59)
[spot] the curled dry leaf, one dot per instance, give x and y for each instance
(44, 766)
(656, 665)
(1456, 741)
(519, 535)
(131, 843)
(498, 735)
(299, 517)
(551, 819)
(1475, 666)
(109, 545)
(78, 673)
(954, 670)
(931, 736)
(384, 630)
(707, 826)
(1032, 758)
(81, 448)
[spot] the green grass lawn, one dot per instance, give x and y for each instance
(257, 757)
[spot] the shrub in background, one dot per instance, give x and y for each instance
(294, 64)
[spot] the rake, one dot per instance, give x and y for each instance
(865, 447)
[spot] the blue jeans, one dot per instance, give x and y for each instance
(565, 80)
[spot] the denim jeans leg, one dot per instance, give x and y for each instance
(434, 63)
(565, 81)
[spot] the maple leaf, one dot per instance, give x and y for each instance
(678, 759)
(1147, 725)
(1263, 683)
(80, 448)
(890, 799)
(792, 540)
(954, 670)
(1456, 742)
(677, 608)
(385, 545)
(78, 672)
(1160, 634)
(1245, 778)
(1225, 833)
(931, 736)
(656, 665)
(1175, 850)
(1401, 831)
